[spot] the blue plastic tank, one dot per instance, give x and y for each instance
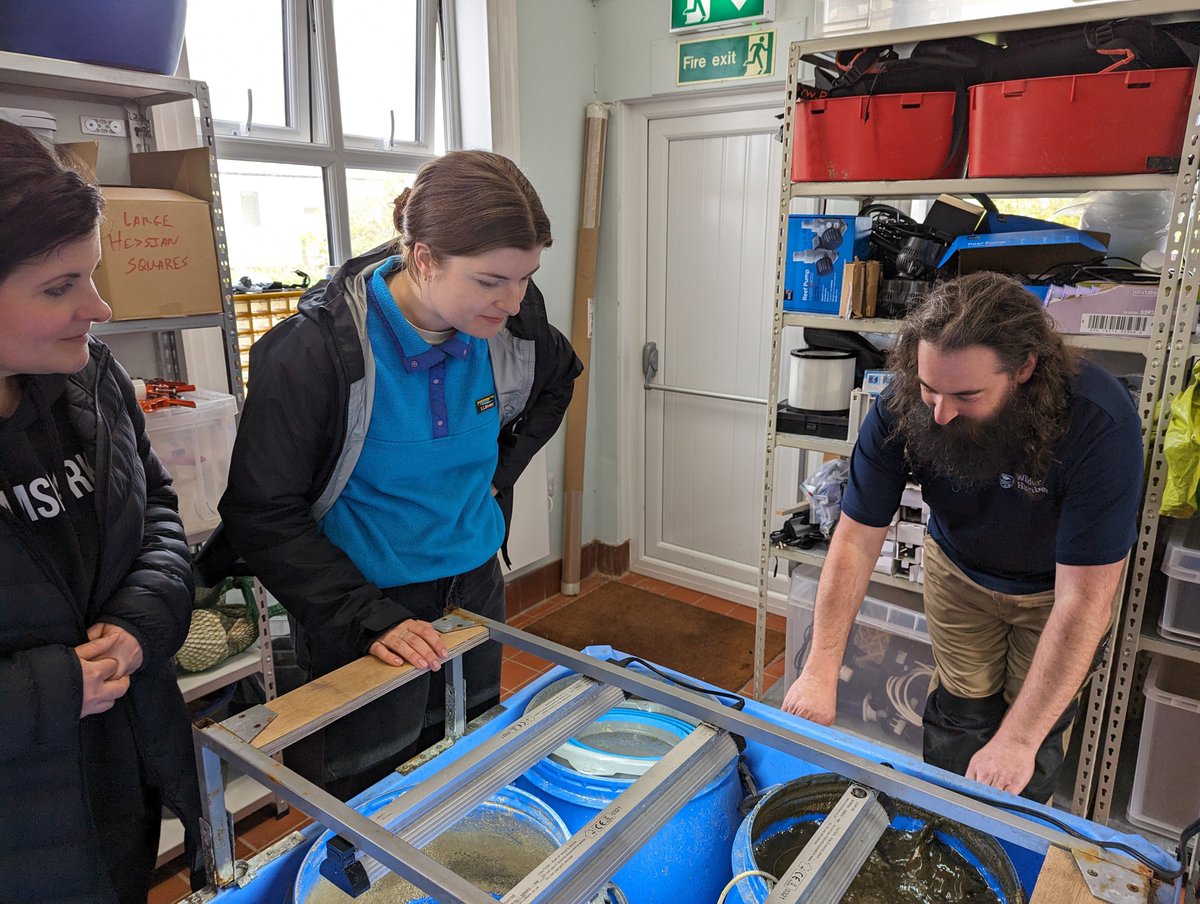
(127, 34)
(688, 859)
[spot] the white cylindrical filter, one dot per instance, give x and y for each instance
(39, 122)
(820, 380)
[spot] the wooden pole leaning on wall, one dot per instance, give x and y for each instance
(587, 244)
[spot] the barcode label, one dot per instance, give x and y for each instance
(1125, 324)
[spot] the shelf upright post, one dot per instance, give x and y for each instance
(229, 333)
(765, 554)
(1170, 348)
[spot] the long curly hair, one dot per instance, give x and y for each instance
(995, 311)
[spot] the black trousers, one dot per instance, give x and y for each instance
(364, 746)
(956, 728)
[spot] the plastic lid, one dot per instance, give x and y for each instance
(624, 742)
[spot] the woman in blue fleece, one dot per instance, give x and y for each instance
(384, 428)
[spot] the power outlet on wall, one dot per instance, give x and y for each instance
(97, 125)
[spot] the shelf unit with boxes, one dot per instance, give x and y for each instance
(1164, 352)
(78, 92)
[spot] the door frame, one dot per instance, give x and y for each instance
(633, 137)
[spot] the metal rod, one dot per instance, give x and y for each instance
(400, 857)
(724, 397)
(985, 817)
(438, 802)
(573, 873)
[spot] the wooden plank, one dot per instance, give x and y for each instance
(321, 701)
(1060, 881)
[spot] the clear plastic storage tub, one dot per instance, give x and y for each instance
(1180, 619)
(887, 667)
(194, 445)
(1166, 795)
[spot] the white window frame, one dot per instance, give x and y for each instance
(313, 101)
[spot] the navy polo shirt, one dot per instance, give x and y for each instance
(1009, 534)
(418, 505)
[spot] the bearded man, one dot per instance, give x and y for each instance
(1030, 460)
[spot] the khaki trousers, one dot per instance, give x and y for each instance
(983, 640)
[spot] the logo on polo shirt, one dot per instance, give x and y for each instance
(1023, 482)
(486, 403)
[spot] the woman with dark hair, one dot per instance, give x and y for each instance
(95, 580)
(385, 425)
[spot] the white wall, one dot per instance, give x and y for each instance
(570, 53)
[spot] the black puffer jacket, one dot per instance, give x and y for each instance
(49, 848)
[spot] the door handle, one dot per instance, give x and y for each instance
(650, 369)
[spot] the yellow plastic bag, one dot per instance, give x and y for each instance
(1181, 447)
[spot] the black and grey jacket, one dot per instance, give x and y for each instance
(49, 847)
(306, 417)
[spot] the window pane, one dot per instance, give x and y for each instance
(234, 57)
(275, 221)
(370, 194)
(378, 54)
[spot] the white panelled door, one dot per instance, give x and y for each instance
(712, 227)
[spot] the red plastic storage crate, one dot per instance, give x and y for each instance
(1078, 125)
(885, 136)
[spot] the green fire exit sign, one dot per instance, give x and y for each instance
(694, 15)
(750, 55)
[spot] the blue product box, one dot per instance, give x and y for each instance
(817, 249)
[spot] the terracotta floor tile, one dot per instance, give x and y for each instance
(654, 585)
(520, 620)
(631, 578)
(514, 675)
(529, 660)
(591, 582)
(714, 604)
(169, 889)
(683, 594)
(743, 613)
(776, 622)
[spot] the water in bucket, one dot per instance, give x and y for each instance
(494, 846)
(921, 857)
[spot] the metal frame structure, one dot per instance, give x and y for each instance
(579, 870)
(1102, 715)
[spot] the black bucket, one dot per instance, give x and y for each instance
(953, 862)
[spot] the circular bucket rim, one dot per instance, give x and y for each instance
(1008, 885)
(508, 799)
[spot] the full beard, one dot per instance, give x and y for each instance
(967, 452)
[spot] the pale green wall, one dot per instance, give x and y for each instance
(571, 53)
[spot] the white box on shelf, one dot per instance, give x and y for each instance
(910, 532)
(195, 445)
(1166, 795)
(1180, 619)
(911, 497)
(887, 667)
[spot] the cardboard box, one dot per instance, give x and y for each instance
(860, 288)
(817, 249)
(158, 257)
(1109, 308)
(81, 155)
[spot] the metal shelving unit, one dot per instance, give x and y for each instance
(1165, 350)
(32, 77)
(137, 92)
